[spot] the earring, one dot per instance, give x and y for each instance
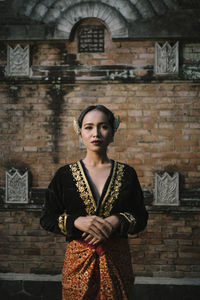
(76, 127)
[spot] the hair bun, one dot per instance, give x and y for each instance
(116, 122)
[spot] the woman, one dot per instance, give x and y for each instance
(96, 202)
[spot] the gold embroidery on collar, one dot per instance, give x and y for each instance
(113, 190)
(86, 194)
(83, 188)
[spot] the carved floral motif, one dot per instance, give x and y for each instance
(18, 61)
(167, 189)
(166, 59)
(16, 187)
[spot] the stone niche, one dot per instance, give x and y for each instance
(167, 189)
(17, 187)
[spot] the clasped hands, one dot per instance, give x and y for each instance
(96, 229)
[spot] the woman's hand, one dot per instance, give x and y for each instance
(113, 221)
(95, 228)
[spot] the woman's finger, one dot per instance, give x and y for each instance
(102, 228)
(95, 232)
(91, 239)
(84, 234)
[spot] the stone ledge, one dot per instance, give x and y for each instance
(138, 279)
(42, 287)
(189, 202)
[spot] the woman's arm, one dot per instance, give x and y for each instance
(54, 217)
(133, 217)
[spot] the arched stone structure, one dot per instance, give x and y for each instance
(114, 21)
(62, 15)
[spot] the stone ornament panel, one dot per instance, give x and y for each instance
(16, 187)
(18, 60)
(166, 59)
(167, 189)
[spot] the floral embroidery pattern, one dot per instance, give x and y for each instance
(62, 220)
(83, 188)
(113, 191)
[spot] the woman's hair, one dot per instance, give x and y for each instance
(102, 108)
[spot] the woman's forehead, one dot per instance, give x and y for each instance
(95, 116)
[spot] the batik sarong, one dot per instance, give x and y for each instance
(101, 272)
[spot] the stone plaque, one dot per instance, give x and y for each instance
(91, 39)
(18, 61)
(167, 189)
(166, 59)
(16, 186)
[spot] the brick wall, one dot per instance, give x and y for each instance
(159, 127)
(168, 248)
(159, 131)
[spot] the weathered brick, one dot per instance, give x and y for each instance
(159, 127)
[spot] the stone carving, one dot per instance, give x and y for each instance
(191, 72)
(122, 74)
(167, 189)
(18, 61)
(16, 186)
(166, 59)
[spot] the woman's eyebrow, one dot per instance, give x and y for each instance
(93, 123)
(88, 124)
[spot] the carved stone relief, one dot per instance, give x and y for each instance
(167, 189)
(122, 74)
(16, 186)
(18, 60)
(166, 59)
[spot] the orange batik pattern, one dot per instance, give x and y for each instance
(100, 272)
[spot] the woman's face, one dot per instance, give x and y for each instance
(96, 132)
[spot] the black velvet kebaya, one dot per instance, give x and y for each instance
(96, 202)
(71, 194)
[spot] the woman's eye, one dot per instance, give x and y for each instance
(88, 127)
(105, 127)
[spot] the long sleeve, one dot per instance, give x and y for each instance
(56, 215)
(69, 196)
(132, 213)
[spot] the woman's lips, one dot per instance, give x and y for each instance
(96, 142)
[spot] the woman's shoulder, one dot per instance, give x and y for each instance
(130, 176)
(65, 169)
(127, 168)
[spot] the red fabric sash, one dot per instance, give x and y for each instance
(101, 272)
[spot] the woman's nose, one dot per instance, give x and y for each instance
(96, 131)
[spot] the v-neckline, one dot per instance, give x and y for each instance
(92, 185)
(109, 195)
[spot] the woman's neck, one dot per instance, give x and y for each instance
(96, 159)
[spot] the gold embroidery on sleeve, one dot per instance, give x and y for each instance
(83, 188)
(130, 218)
(113, 190)
(62, 220)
